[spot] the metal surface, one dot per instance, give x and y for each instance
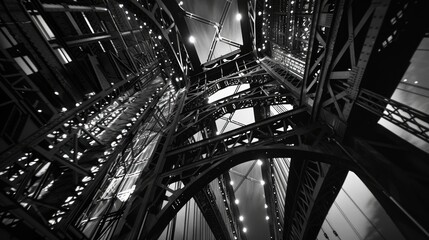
(127, 154)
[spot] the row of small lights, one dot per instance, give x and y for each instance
(237, 201)
(60, 135)
(159, 37)
(144, 25)
(111, 112)
(276, 207)
(265, 24)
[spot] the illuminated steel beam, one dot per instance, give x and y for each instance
(48, 7)
(9, 155)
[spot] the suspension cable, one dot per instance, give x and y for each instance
(360, 210)
(333, 230)
(348, 220)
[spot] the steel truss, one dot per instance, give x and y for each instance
(409, 119)
(65, 137)
(336, 59)
(323, 97)
(335, 68)
(196, 163)
(69, 152)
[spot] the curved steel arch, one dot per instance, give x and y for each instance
(215, 167)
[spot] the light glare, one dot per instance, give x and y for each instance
(192, 39)
(238, 17)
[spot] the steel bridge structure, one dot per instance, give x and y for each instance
(107, 131)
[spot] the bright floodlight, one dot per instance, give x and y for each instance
(262, 182)
(241, 218)
(237, 201)
(266, 217)
(192, 39)
(259, 162)
(238, 17)
(159, 37)
(244, 229)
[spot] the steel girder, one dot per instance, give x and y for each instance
(247, 9)
(309, 197)
(120, 164)
(8, 156)
(59, 143)
(212, 214)
(409, 119)
(197, 120)
(234, 212)
(339, 65)
(270, 197)
(146, 200)
(331, 62)
(324, 67)
(211, 166)
(340, 60)
(30, 187)
(199, 162)
(210, 160)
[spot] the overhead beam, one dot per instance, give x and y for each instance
(245, 23)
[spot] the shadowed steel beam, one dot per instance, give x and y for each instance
(326, 66)
(270, 198)
(212, 214)
(214, 167)
(235, 211)
(21, 213)
(236, 131)
(308, 61)
(245, 26)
